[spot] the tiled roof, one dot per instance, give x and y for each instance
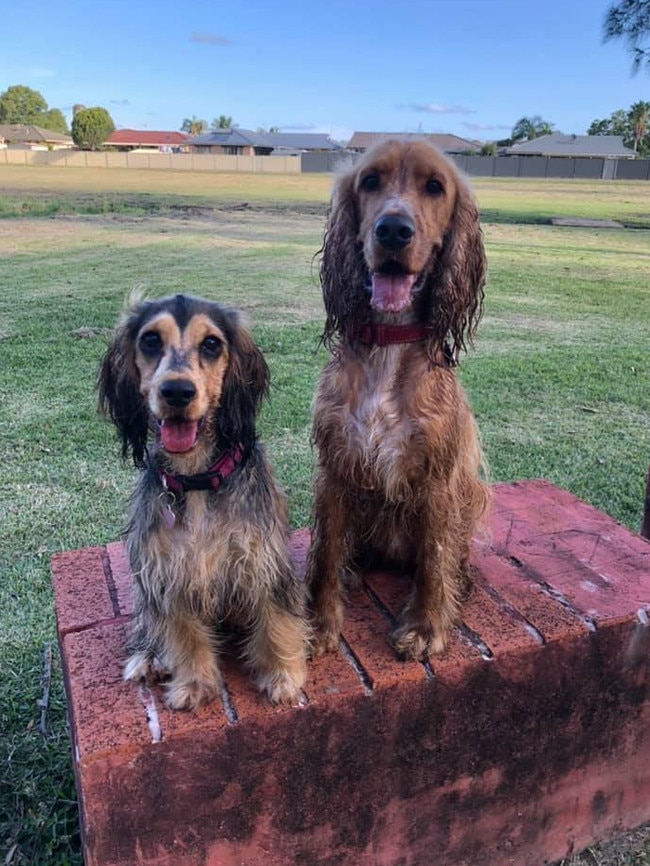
(447, 142)
(245, 137)
(230, 138)
(28, 133)
(573, 145)
(139, 137)
(302, 141)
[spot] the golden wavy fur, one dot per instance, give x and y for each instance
(183, 382)
(399, 469)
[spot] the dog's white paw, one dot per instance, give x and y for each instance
(145, 666)
(137, 667)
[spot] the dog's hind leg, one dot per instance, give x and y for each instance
(145, 660)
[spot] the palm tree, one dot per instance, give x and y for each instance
(528, 128)
(640, 120)
(222, 122)
(193, 125)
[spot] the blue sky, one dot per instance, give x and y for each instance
(470, 67)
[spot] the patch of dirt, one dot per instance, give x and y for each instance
(581, 222)
(258, 207)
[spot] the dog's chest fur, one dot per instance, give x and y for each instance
(370, 424)
(211, 554)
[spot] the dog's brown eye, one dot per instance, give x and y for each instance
(211, 347)
(151, 343)
(370, 183)
(434, 187)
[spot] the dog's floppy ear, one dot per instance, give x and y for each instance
(119, 396)
(245, 385)
(342, 269)
(460, 275)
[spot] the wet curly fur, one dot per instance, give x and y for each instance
(183, 382)
(399, 474)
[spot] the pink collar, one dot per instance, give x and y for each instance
(209, 480)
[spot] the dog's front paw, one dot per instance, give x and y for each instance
(189, 694)
(137, 667)
(418, 640)
(327, 623)
(145, 666)
(326, 632)
(282, 687)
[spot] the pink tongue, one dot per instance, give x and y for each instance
(178, 435)
(391, 293)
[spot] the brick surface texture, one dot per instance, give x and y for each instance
(528, 739)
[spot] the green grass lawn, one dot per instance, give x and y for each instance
(45, 190)
(558, 379)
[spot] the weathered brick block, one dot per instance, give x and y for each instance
(528, 739)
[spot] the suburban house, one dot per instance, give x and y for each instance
(245, 142)
(447, 143)
(147, 141)
(26, 136)
(607, 146)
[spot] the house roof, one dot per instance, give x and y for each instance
(144, 137)
(276, 140)
(446, 142)
(573, 145)
(302, 141)
(27, 132)
(231, 138)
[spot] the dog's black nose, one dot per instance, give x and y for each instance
(394, 231)
(177, 392)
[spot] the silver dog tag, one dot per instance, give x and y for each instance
(168, 516)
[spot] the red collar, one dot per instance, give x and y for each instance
(375, 334)
(210, 480)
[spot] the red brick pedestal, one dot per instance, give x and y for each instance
(528, 739)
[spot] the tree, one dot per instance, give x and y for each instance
(91, 127)
(630, 20)
(633, 126)
(222, 122)
(20, 104)
(54, 120)
(639, 119)
(193, 125)
(617, 123)
(528, 128)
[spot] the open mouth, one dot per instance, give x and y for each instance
(178, 435)
(392, 287)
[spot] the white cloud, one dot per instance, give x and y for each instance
(40, 72)
(297, 127)
(439, 108)
(210, 39)
(485, 127)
